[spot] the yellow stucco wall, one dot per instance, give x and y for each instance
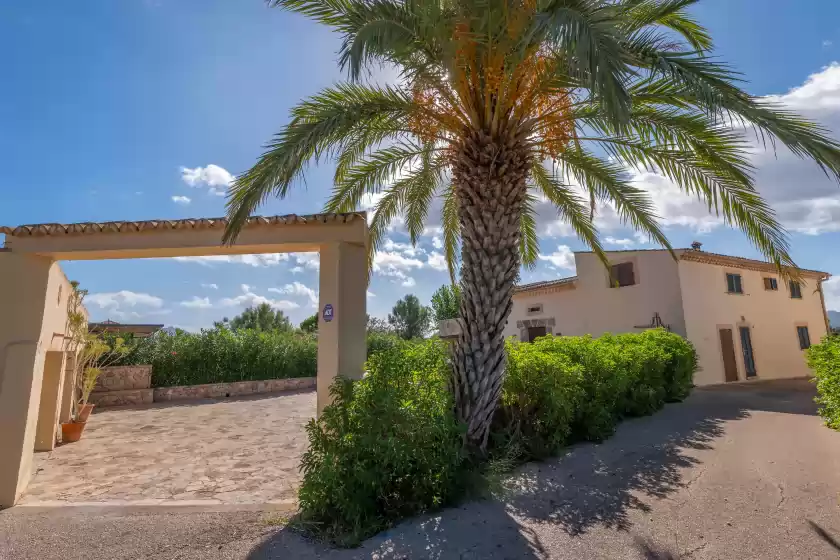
(33, 300)
(593, 307)
(771, 315)
(691, 297)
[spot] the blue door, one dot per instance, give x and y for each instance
(747, 349)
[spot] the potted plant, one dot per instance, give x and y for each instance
(91, 355)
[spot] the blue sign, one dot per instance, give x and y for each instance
(328, 312)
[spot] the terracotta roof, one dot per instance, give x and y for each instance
(544, 284)
(189, 223)
(739, 262)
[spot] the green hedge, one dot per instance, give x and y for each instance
(224, 356)
(824, 359)
(389, 446)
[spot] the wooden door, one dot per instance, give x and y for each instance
(727, 348)
(535, 332)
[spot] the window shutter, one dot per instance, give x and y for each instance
(629, 277)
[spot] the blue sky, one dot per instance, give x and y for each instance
(143, 109)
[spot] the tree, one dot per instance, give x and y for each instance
(446, 302)
(261, 318)
(502, 102)
(409, 319)
(310, 324)
(377, 325)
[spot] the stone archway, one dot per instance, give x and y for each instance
(32, 319)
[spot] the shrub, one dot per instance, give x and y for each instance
(824, 359)
(223, 356)
(388, 447)
(564, 389)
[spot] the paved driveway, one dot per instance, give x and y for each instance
(237, 451)
(741, 472)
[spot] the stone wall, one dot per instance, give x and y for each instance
(131, 385)
(239, 388)
(120, 378)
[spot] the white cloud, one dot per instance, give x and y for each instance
(298, 289)
(210, 286)
(297, 270)
(437, 243)
(563, 257)
(827, 43)
(113, 300)
(370, 294)
(409, 282)
(437, 261)
(214, 177)
(395, 260)
(263, 259)
(609, 240)
(183, 200)
(197, 303)
(311, 261)
(831, 291)
(250, 299)
(126, 305)
(406, 249)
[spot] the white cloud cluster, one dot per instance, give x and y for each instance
(215, 178)
(831, 291)
(123, 298)
(126, 304)
(263, 259)
(210, 286)
(562, 258)
(298, 289)
(182, 200)
(250, 299)
(197, 303)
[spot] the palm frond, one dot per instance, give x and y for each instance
(529, 242)
(320, 125)
(451, 226)
(571, 208)
(420, 187)
(609, 182)
(371, 174)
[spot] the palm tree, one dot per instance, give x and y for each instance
(500, 102)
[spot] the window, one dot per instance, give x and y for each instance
(804, 338)
(771, 284)
(622, 275)
(535, 309)
(795, 290)
(733, 284)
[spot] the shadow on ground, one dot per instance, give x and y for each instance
(591, 485)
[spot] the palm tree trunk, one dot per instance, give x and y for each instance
(490, 179)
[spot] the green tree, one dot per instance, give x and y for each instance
(310, 324)
(446, 302)
(261, 318)
(409, 319)
(500, 102)
(377, 325)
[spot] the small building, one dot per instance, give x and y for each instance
(137, 329)
(744, 320)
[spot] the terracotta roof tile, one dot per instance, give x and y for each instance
(188, 223)
(544, 284)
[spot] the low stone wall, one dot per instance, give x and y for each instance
(122, 398)
(121, 378)
(236, 389)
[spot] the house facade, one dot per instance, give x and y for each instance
(745, 321)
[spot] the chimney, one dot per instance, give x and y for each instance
(696, 245)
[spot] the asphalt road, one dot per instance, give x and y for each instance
(733, 473)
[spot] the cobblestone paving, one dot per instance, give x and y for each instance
(238, 451)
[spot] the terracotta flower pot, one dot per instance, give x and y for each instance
(72, 431)
(84, 412)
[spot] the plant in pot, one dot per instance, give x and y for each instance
(90, 354)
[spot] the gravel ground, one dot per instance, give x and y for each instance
(735, 472)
